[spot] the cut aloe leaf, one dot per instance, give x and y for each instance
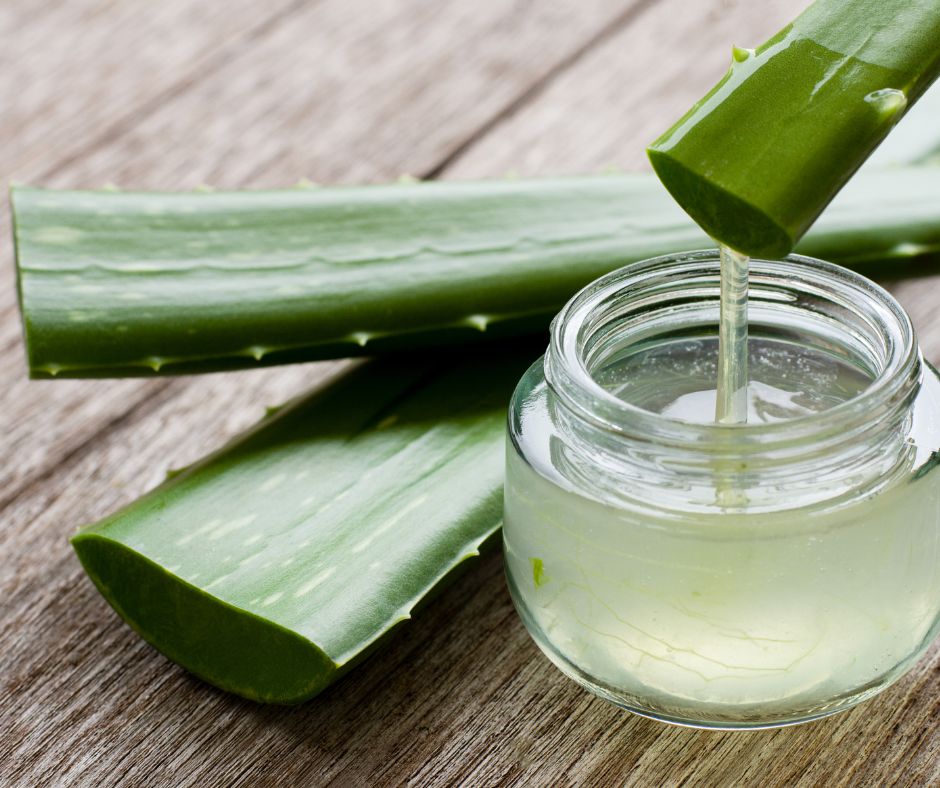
(277, 563)
(116, 284)
(761, 155)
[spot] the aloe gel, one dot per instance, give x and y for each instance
(732, 376)
(727, 575)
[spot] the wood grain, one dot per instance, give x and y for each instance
(342, 90)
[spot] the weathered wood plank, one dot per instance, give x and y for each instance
(463, 696)
(73, 73)
(602, 111)
(349, 92)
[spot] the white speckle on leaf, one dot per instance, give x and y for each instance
(307, 587)
(395, 519)
(270, 600)
(274, 481)
(212, 524)
(361, 545)
(252, 540)
(57, 235)
(389, 524)
(234, 525)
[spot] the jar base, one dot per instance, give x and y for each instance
(731, 720)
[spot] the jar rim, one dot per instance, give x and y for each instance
(568, 374)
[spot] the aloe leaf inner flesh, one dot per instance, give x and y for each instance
(761, 155)
(115, 284)
(278, 562)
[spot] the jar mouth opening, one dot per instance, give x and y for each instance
(882, 328)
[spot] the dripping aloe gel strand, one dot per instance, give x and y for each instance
(731, 395)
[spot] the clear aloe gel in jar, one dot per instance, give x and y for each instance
(727, 575)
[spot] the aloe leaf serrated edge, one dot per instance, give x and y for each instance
(124, 283)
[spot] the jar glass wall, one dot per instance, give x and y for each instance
(727, 575)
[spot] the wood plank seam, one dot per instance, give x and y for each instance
(225, 56)
(151, 399)
(616, 26)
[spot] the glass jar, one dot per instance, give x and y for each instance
(727, 576)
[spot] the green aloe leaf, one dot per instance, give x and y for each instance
(761, 155)
(277, 563)
(115, 284)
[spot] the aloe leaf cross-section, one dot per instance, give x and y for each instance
(758, 158)
(275, 564)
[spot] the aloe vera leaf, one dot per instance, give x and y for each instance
(757, 160)
(115, 284)
(275, 564)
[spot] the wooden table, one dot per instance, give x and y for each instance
(173, 94)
